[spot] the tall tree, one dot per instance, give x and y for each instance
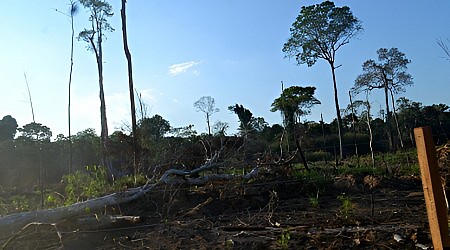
(294, 103)
(130, 84)
(8, 128)
(388, 74)
(99, 11)
(73, 11)
(319, 31)
(207, 105)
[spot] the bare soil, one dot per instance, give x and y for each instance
(277, 213)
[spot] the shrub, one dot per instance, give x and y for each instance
(84, 185)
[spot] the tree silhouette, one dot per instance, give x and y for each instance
(319, 31)
(100, 10)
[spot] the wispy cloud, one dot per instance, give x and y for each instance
(179, 68)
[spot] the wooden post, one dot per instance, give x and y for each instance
(432, 188)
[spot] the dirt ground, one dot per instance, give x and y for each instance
(266, 214)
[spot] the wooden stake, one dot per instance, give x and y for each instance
(432, 188)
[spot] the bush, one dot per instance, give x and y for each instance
(319, 156)
(314, 180)
(81, 186)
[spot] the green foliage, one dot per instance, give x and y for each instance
(8, 128)
(389, 73)
(346, 204)
(93, 183)
(314, 180)
(84, 185)
(319, 156)
(247, 122)
(153, 128)
(294, 103)
(314, 202)
(284, 238)
(35, 132)
(361, 170)
(320, 26)
(21, 203)
(126, 182)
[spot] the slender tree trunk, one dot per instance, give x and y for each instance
(353, 124)
(370, 130)
(130, 84)
(388, 116)
(29, 96)
(103, 120)
(394, 113)
(296, 138)
(338, 112)
(209, 126)
(72, 6)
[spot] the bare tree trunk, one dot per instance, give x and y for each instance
(394, 112)
(131, 87)
(353, 124)
(104, 123)
(72, 12)
(338, 112)
(29, 96)
(370, 130)
(388, 117)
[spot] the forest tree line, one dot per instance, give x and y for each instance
(26, 150)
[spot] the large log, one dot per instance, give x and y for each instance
(13, 223)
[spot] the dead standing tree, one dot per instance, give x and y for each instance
(131, 87)
(207, 105)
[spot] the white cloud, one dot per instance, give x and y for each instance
(177, 69)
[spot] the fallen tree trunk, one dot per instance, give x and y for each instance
(13, 223)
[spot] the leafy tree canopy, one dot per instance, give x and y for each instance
(100, 10)
(319, 31)
(8, 128)
(294, 103)
(35, 132)
(389, 72)
(153, 128)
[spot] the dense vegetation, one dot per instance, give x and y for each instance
(31, 155)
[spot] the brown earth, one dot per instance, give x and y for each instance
(265, 214)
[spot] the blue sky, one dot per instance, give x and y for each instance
(185, 49)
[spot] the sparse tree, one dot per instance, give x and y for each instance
(220, 128)
(444, 46)
(319, 31)
(100, 10)
(294, 103)
(207, 105)
(388, 74)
